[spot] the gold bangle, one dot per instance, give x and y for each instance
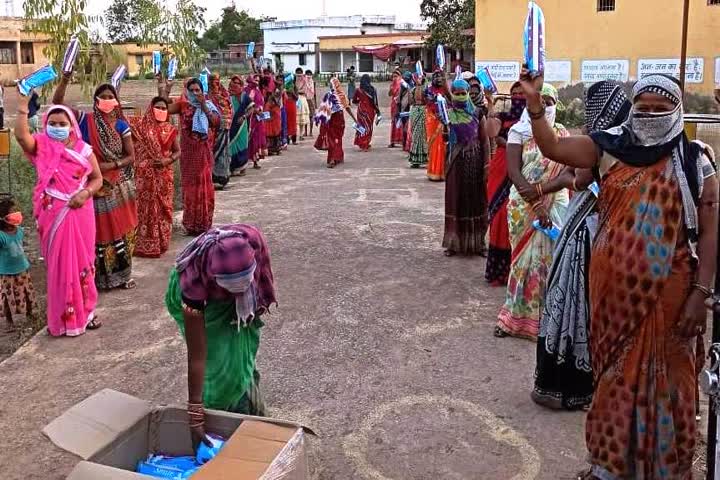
(574, 185)
(191, 311)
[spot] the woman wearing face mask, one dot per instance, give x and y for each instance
(468, 153)
(563, 374)
(221, 285)
(434, 127)
(651, 270)
(107, 131)
(220, 97)
(156, 150)
(68, 175)
(497, 268)
(534, 195)
(198, 118)
(367, 101)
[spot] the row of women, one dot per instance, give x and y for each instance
(616, 302)
(105, 182)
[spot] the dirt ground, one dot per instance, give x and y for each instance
(380, 343)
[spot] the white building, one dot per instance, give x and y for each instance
(294, 43)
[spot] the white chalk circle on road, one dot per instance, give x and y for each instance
(355, 445)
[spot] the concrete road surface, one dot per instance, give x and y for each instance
(380, 343)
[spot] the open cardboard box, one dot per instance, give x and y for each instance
(112, 431)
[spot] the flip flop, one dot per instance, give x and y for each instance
(94, 324)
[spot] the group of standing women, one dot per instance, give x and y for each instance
(122, 169)
(615, 297)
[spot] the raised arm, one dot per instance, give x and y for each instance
(164, 91)
(575, 151)
(22, 129)
(59, 95)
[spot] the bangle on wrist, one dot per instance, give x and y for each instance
(707, 292)
(574, 185)
(536, 115)
(538, 187)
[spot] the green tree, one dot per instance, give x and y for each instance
(134, 21)
(446, 21)
(233, 27)
(59, 20)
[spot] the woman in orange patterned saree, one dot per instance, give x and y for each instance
(651, 268)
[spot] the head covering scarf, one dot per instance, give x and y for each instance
(200, 121)
(233, 260)
(221, 98)
(606, 106)
(647, 138)
(149, 135)
(523, 128)
(463, 120)
(477, 93)
(367, 87)
(106, 141)
(234, 90)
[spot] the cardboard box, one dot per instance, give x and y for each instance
(112, 431)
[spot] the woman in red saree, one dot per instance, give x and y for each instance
(367, 101)
(396, 131)
(198, 118)
(653, 261)
(156, 150)
(331, 117)
(497, 268)
(273, 126)
(436, 142)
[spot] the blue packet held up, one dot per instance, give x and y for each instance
(203, 77)
(419, 70)
(534, 39)
(36, 79)
(487, 81)
(174, 468)
(440, 56)
(118, 76)
(442, 109)
(206, 453)
(156, 62)
(553, 232)
(71, 53)
(172, 68)
(250, 49)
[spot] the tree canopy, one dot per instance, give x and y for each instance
(446, 21)
(233, 27)
(132, 20)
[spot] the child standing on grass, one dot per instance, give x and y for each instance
(17, 294)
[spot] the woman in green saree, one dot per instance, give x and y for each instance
(221, 285)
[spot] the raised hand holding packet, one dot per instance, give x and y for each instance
(534, 39)
(71, 53)
(36, 79)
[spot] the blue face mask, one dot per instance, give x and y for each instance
(58, 133)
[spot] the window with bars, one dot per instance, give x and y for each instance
(713, 2)
(7, 53)
(27, 53)
(608, 5)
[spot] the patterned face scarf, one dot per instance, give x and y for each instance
(463, 119)
(645, 139)
(221, 98)
(606, 106)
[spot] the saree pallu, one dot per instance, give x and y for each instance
(258, 139)
(418, 137)
(335, 132)
(366, 119)
(465, 200)
(396, 130)
(232, 382)
(436, 146)
(641, 424)
(563, 373)
(407, 137)
(198, 193)
(532, 250)
(283, 126)
(273, 129)
(155, 191)
(497, 268)
(115, 222)
(291, 113)
(321, 142)
(239, 143)
(303, 113)
(221, 155)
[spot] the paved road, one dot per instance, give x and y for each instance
(380, 343)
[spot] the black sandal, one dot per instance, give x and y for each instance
(500, 333)
(94, 324)
(130, 285)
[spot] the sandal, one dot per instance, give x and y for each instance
(256, 165)
(94, 324)
(500, 333)
(331, 165)
(449, 253)
(130, 285)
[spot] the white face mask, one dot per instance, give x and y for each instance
(550, 114)
(652, 129)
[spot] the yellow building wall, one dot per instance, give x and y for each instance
(128, 53)
(347, 43)
(13, 30)
(576, 31)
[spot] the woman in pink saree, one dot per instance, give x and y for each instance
(67, 177)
